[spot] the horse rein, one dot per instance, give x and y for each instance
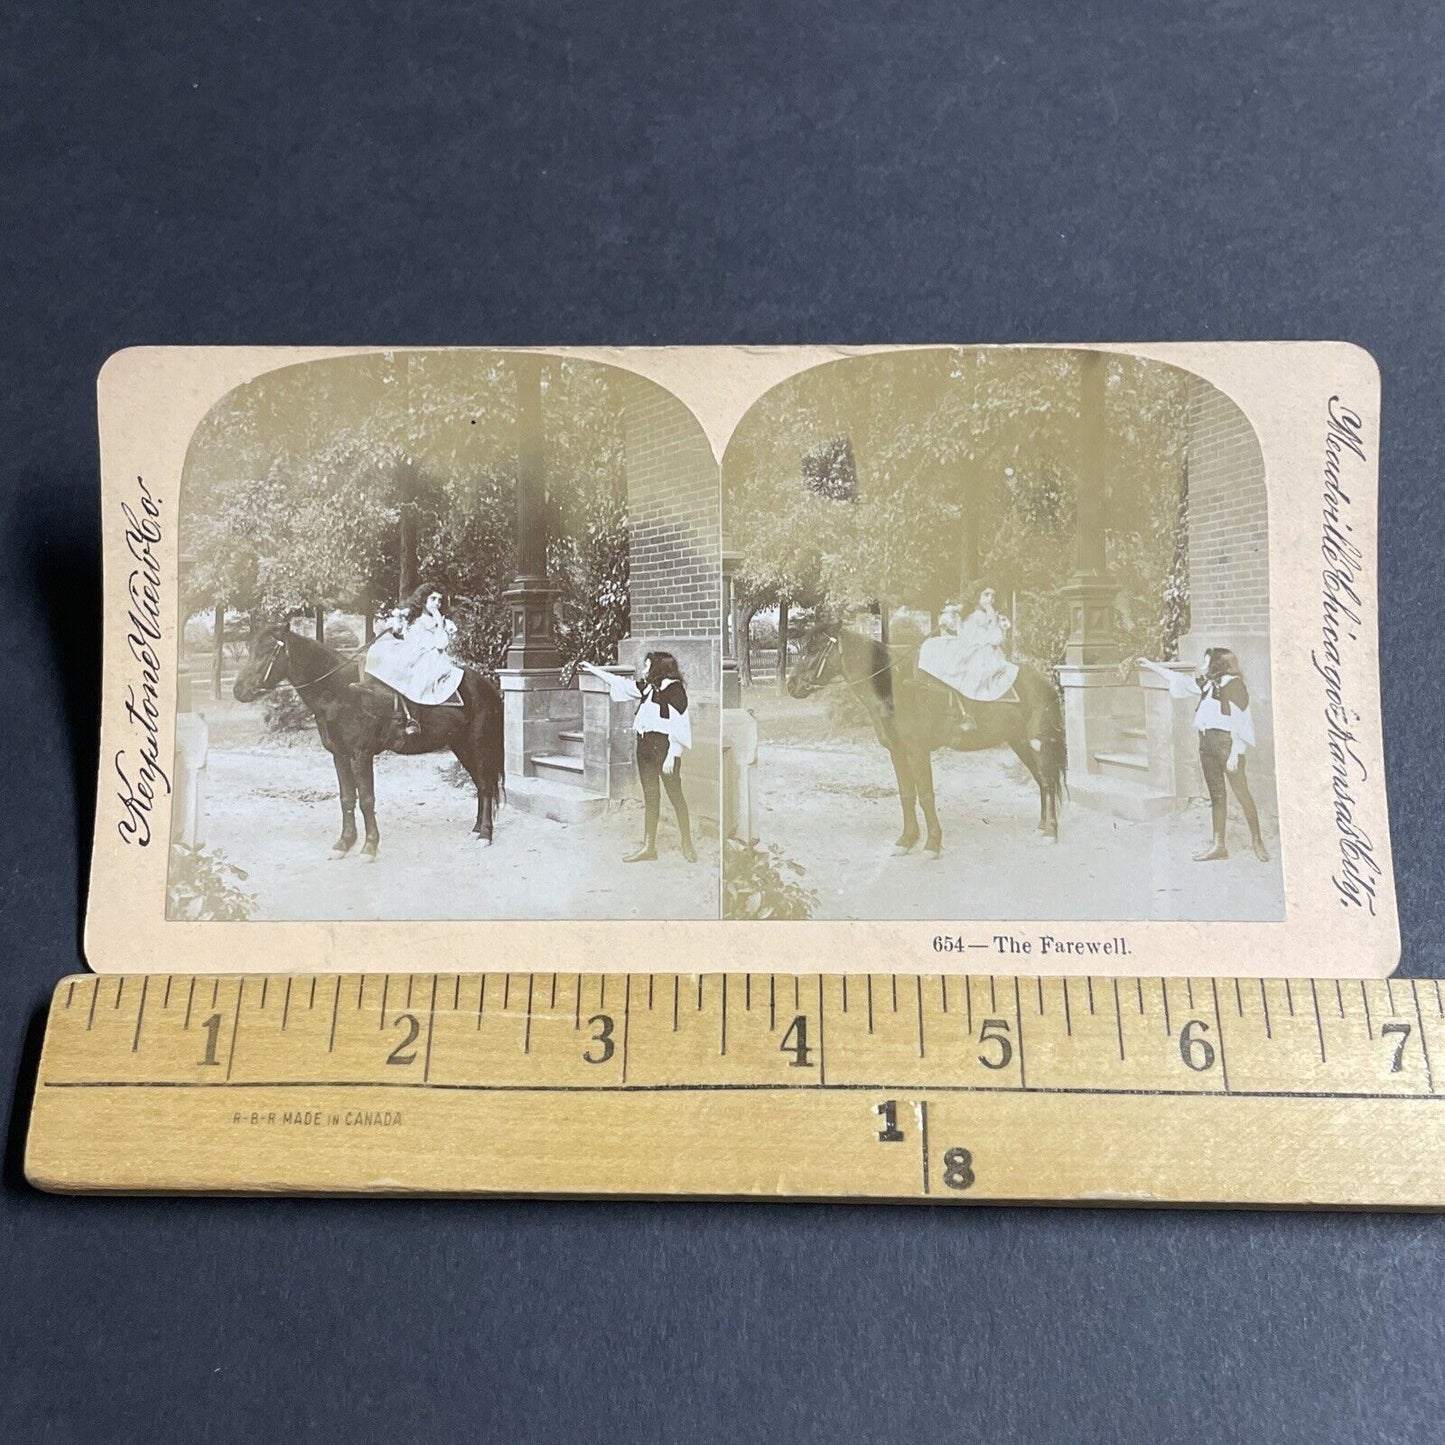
(842, 671)
(310, 682)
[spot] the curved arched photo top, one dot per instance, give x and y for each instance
(509, 518)
(300, 485)
(908, 476)
(1005, 532)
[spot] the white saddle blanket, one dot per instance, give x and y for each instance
(423, 676)
(981, 673)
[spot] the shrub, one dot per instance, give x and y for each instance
(755, 885)
(484, 629)
(282, 711)
(845, 708)
(202, 887)
(342, 637)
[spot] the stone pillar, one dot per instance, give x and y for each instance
(1098, 704)
(739, 727)
(609, 744)
(537, 706)
(1171, 743)
(530, 598)
(732, 687)
(1090, 592)
(188, 808)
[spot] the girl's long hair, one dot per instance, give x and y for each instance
(975, 595)
(661, 667)
(415, 605)
(1218, 661)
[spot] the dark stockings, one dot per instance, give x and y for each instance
(651, 753)
(1214, 750)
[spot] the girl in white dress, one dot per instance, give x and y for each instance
(411, 655)
(972, 661)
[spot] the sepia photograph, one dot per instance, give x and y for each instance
(448, 646)
(998, 643)
(815, 655)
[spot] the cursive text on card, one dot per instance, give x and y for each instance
(138, 765)
(1342, 584)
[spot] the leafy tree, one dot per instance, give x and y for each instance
(348, 482)
(967, 464)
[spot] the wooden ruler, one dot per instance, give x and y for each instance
(888, 1087)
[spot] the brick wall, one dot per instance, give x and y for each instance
(675, 561)
(673, 508)
(1228, 526)
(1229, 550)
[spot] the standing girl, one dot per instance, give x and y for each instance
(1226, 733)
(663, 730)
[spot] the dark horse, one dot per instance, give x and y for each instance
(913, 714)
(358, 721)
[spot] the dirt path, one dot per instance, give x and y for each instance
(273, 810)
(834, 808)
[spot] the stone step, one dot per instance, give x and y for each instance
(571, 744)
(557, 765)
(1140, 734)
(1136, 762)
(552, 797)
(1124, 797)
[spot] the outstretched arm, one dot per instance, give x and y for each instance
(622, 689)
(1180, 683)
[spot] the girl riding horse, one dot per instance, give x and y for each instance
(410, 654)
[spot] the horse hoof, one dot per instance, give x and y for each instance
(902, 850)
(932, 855)
(485, 839)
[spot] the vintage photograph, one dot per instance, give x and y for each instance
(823, 658)
(999, 643)
(448, 646)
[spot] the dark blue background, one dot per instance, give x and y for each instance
(683, 172)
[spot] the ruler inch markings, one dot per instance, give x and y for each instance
(626, 1021)
(1424, 1046)
(1219, 1034)
(431, 1021)
(923, 1142)
(1268, 1081)
(235, 1026)
(140, 1014)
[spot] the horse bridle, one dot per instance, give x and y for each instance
(835, 641)
(311, 682)
(271, 663)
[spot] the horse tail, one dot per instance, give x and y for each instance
(494, 747)
(1054, 745)
(488, 735)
